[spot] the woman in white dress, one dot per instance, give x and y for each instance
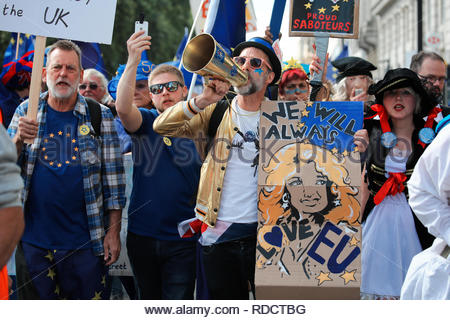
(392, 235)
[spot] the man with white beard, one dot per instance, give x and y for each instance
(226, 206)
(74, 187)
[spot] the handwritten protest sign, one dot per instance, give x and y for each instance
(83, 20)
(338, 18)
(309, 237)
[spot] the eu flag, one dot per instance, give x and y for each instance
(92, 56)
(26, 44)
(332, 71)
(226, 22)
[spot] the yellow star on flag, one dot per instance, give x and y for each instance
(74, 158)
(67, 161)
(300, 125)
(67, 134)
(345, 0)
(75, 149)
(49, 256)
(322, 10)
(50, 163)
(73, 140)
(345, 153)
(51, 135)
(354, 241)
(305, 113)
(60, 133)
(97, 296)
(310, 103)
(44, 148)
(45, 157)
(355, 149)
(45, 140)
(51, 273)
(348, 276)
(334, 150)
(103, 281)
(59, 165)
(323, 277)
(308, 5)
(335, 8)
(57, 290)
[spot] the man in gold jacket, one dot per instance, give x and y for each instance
(227, 195)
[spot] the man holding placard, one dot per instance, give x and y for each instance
(74, 185)
(227, 197)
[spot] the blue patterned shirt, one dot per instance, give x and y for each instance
(101, 161)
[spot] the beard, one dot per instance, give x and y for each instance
(62, 93)
(433, 91)
(253, 85)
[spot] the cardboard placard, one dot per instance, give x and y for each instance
(309, 237)
(338, 18)
(83, 20)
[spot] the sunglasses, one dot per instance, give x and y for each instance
(255, 63)
(170, 86)
(92, 86)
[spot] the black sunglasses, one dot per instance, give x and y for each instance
(171, 86)
(254, 62)
(92, 86)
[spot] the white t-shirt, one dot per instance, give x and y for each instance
(240, 186)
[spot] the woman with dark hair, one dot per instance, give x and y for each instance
(392, 235)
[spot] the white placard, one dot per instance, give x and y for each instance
(83, 20)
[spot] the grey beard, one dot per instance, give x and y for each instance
(246, 90)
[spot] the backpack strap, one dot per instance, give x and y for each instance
(95, 112)
(214, 122)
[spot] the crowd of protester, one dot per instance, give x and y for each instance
(192, 219)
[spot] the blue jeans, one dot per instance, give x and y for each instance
(163, 269)
(230, 268)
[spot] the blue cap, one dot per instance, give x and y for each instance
(143, 71)
(264, 45)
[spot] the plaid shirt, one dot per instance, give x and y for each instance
(101, 161)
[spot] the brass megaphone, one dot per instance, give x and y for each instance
(204, 56)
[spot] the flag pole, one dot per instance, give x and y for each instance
(194, 76)
(17, 45)
(193, 26)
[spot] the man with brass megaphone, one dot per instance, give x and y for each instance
(226, 208)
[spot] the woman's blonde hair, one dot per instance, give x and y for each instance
(288, 161)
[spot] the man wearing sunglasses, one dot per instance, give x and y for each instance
(94, 86)
(166, 174)
(226, 206)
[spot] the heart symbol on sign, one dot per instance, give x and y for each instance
(274, 237)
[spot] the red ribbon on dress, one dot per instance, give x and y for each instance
(430, 120)
(381, 112)
(392, 186)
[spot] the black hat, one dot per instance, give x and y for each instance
(352, 66)
(401, 78)
(265, 46)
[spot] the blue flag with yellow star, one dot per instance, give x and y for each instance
(26, 44)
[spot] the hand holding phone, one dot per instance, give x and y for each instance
(358, 91)
(141, 25)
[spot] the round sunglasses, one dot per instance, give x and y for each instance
(255, 63)
(170, 86)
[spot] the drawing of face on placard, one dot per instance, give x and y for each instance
(312, 183)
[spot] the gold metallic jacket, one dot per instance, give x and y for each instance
(187, 121)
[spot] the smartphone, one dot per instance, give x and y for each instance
(358, 92)
(138, 26)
